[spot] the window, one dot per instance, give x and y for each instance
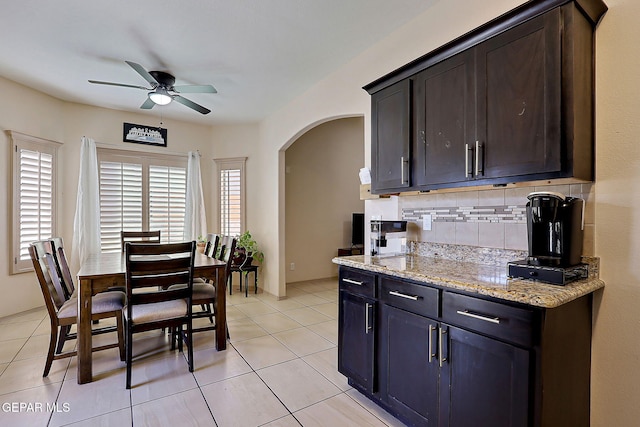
(141, 192)
(33, 194)
(231, 201)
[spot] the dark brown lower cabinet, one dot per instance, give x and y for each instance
(356, 338)
(435, 374)
(433, 357)
(485, 382)
(410, 377)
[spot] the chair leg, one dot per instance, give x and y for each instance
(210, 310)
(179, 329)
(120, 330)
(129, 347)
(190, 344)
(64, 331)
(52, 349)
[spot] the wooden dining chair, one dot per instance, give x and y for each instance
(139, 237)
(159, 266)
(210, 250)
(63, 311)
(204, 294)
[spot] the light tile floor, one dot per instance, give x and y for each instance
(279, 369)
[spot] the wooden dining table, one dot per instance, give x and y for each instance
(104, 270)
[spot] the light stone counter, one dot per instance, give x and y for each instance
(482, 279)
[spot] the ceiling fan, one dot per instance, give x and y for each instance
(162, 90)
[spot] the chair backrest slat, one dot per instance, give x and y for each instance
(159, 265)
(224, 246)
(57, 247)
(213, 241)
(139, 237)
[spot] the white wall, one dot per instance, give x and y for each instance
(27, 111)
(238, 140)
(616, 338)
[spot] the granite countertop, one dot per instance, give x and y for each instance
(483, 279)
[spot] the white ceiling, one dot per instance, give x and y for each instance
(259, 54)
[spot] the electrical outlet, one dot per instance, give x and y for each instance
(426, 222)
(292, 266)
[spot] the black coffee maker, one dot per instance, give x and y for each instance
(555, 232)
(555, 229)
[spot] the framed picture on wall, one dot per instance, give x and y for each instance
(141, 134)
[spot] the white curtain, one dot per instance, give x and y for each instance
(86, 223)
(195, 218)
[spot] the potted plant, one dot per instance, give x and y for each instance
(247, 250)
(201, 243)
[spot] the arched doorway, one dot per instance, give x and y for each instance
(321, 193)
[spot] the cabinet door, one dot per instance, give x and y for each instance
(409, 377)
(445, 121)
(391, 137)
(485, 382)
(356, 339)
(519, 100)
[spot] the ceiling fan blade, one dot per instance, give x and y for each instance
(148, 104)
(118, 84)
(144, 73)
(195, 89)
(191, 104)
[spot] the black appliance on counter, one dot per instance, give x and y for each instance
(555, 225)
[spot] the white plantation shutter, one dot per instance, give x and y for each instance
(141, 192)
(167, 189)
(33, 195)
(231, 203)
(36, 198)
(120, 202)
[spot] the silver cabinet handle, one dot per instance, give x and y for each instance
(466, 160)
(441, 358)
(402, 171)
(401, 295)
(367, 325)
(467, 313)
(478, 168)
(432, 328)
(353, 282)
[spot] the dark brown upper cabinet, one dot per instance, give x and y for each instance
(519, 102)
(445, 121)
(391, 138)
(511, 101)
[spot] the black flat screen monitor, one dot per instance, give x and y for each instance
(357, 229)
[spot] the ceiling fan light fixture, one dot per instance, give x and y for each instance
(160, 96)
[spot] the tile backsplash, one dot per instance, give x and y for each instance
(486, 218)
